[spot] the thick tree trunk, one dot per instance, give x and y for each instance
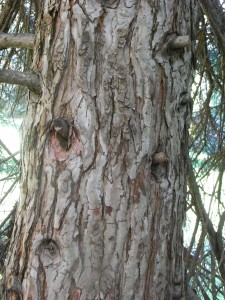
(104, 154)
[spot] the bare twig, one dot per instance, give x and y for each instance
(9, 157)
(9, 190)
(9, 152)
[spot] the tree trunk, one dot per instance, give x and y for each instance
(104, 154)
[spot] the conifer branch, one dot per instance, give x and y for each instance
(19, 40)
(30, 80)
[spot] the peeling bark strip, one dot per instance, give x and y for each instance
(102, 218)
(16, 40)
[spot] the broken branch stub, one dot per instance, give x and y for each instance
(159, 158)
(179, 42)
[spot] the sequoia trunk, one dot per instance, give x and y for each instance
(104, 153)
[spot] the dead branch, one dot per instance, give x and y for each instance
(20, 40)
(30, 80)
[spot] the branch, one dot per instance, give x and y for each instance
(8, 14)
(30, 80)
(9, 152)
(9, 177)
(9, 157)
(206, 222)
(9, 190)
(12, 213)
(214, 12)
(220, 235)
(180, 42)
(190, 294)
(19, 40)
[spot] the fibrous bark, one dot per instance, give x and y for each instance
(103, 167)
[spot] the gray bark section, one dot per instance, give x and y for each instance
(103, 169)
(16, 40)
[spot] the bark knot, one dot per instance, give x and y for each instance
(49, 252)
(63, 130)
